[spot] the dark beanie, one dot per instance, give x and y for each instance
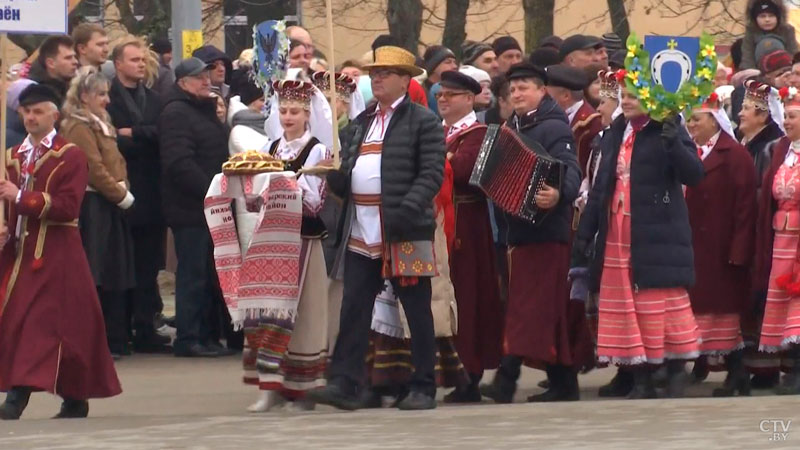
(435, 55)
(553, 42)
(384, 40)
(544, 56)
(161, 46)
(471, 51)
(504, 44)
(249, 92)
(612, 42)
(762, 6)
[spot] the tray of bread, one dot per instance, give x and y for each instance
(251, 163)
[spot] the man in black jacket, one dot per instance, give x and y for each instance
(392, 167)
(56, 65)
(194, 144)
(536, 319)
(134, 111)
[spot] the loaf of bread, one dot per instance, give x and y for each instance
(250, 163)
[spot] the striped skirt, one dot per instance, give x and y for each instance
(389, 362)
(721, 333)
(303, 366)
(781, 325)
(640, 327)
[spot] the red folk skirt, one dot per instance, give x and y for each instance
(781, 326)
(537, 321)
(639, 327)
(721, 333)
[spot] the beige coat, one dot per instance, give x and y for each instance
(107, 167)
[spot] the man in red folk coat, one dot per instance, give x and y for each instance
(52, 336)
(472, 263)
(722, 212)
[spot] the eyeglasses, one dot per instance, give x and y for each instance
(382, 73)
(448, 95)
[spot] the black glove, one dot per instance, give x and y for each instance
(670, 129)
(337, 183)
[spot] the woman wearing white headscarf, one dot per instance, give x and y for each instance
(722, 213)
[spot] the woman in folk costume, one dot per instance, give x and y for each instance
(302, 367)
(778, 228)
(349, 101)
(645, 318)
(722, 213)
(609, 109)
(761, 123)
(103, 224)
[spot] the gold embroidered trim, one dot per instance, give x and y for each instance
(58, 369)
(585, 122)
(48, 202)
(51, 153)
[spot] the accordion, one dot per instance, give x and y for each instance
(511, 169)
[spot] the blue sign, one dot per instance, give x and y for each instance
(271, 52)
(672, 59)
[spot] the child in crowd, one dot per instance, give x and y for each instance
(767, 19)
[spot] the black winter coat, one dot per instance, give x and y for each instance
(549, 126)
(661, 238)
(141, 151)
(412, 169)
(757, 147)
(194, 145)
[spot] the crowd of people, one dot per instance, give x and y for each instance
(666, 242)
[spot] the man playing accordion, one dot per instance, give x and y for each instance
(536, 328)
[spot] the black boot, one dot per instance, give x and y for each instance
(16, 402)
(700, 370)
(737, 379)
(73, 409)
(370, 398)
(504, 384)
(469, 393)
(791, 382)
(768, 381)
(563, 382)
(642, 383)
(620, 386)
(677, 378)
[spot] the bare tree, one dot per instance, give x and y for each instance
(455, 24)
(538, 21)
(619, 18)
(405, 22)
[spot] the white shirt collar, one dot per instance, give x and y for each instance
(791, 155)
(289, 149)
(47, 142)
(393, 107)
(572, 110)
(462, 124)
(706, 148)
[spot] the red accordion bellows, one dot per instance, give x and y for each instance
(511, 170)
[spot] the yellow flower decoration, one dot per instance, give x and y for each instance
(417, 266)
(407, 248)
(695, 92)
(634, 76)
(632, 51)
(708, 51)
(651, 104)
(705, 73)
(644, 93)
(401, 266)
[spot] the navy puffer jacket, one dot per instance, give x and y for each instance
(661, 238)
